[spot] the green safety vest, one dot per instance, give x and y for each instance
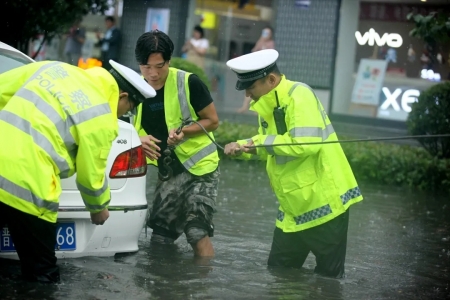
(197, 154)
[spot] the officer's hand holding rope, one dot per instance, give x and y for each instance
(234, 149)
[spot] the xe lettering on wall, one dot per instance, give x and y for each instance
(392, 99)
(396, 102)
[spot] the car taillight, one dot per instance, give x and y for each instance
(131, 163)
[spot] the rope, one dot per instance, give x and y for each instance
(358, 140)
(167, 152)
(187, 122)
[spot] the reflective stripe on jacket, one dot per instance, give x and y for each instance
(313, 183)
(197, 154)
(55, 120)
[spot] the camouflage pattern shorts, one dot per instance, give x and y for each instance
(185, 203)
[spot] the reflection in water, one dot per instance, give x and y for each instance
(398, 248)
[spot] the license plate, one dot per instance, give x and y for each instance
(65, 238)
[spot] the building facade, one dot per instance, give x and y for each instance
(356, 54)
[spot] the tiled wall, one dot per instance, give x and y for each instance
(305, 39)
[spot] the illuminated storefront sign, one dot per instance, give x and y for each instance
(408, 97)
(430, 75)
(371, 38)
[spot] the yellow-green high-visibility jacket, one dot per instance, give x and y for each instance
(55, 120)
(197, 154)
(313, 183)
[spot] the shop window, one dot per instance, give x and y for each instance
(390, 68)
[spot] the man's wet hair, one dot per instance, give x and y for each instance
(152, 42)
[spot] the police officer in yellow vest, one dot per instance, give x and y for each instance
(314, 184)
(57, 119)
(184, 201)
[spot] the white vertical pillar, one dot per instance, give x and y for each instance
(345, 56)
(191, 19)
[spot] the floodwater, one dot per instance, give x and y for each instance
(398, 248)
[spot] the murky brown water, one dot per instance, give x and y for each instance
(398, 248)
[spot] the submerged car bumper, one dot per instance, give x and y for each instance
(78, 237)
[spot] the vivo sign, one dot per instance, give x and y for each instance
(408, 97)
(393, 40)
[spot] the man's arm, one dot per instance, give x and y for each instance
(202, 103)
(238, 151)
(91, 161)
(207, 118)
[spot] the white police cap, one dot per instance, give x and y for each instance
(253, 66)
(131, 82)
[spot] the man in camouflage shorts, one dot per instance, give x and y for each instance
(184, 198)
(185, 204)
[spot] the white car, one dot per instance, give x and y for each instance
(76, 236)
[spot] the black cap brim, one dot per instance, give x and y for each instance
(246, 80)
(243, 85)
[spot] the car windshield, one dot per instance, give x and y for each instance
(10, 60)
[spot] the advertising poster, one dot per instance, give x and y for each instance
(157, 18)
(369, 81)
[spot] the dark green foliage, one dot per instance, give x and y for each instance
(431, 115)
(23, 20)
(434, 28)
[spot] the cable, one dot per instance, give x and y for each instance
(188, 122)
(184, 122)
(168, 151)
(356, 140)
